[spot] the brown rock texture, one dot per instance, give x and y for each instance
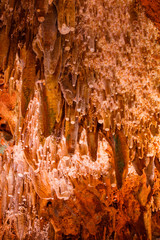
(79, 119)
(152, 8)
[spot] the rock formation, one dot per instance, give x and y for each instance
(79, 119)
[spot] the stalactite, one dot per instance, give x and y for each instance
(66, 16)
(92, 137)
(28, 75)
(79, 120)
(121, 157)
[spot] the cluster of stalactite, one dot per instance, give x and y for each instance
(79, 120)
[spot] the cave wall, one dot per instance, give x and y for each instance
(79, 119)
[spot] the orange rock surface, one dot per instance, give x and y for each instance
(79, 119)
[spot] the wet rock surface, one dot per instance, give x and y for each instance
(79, 119)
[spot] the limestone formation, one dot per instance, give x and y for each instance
(79, 119)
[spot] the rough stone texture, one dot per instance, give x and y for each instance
(79, 119)
(152, 9)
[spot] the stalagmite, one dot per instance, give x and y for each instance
(79, 119)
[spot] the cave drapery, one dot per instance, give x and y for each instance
(79, 119)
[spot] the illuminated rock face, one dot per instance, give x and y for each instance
(79, 120)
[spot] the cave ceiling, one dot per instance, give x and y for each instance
(80, 119)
